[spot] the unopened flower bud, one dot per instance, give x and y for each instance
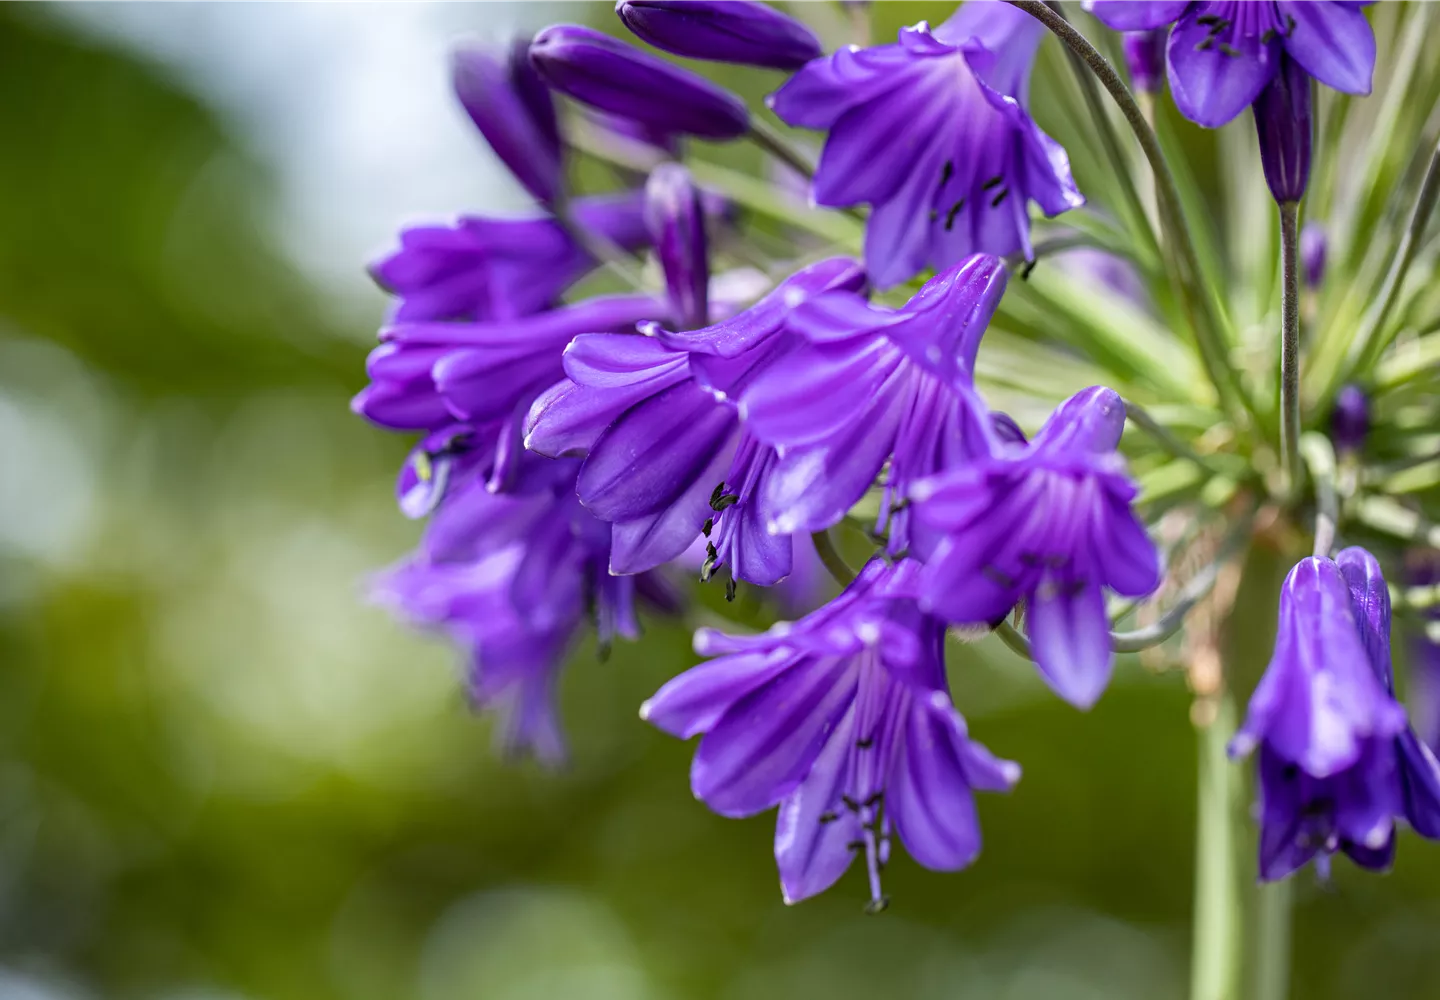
(608, 74)
(733, 31)
(1350, 420)
(1145, 57)
(509, 104)
(1284, 125)
(676, 219)
(1313, 253)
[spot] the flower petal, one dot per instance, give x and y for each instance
(1213, 78)
(813, 830)
(1333, 42)
(1071, 637)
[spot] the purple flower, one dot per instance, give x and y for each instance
(510, 106)
(870, 385)
(1422, 569)
(1350, 420)
(1284, 127)
(1222, 54)
(1145, 58)
(675, 218)
(481, 269)
(1338, 762)
(667, 459)
(842, 719)
(932, 132)
(511, 578)
(734, 31)
(1313, 252)
(1050, 523)
(608, 74)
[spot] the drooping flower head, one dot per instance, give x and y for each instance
(1338, 761)
(666, 456)
(932, 132)
(511, 578)
(842, 719)
(734, 31)
(1049, 523)
(1223, 53)
(870, 386)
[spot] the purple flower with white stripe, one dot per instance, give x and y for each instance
(1049, 523)
(1338, 761)
(666, 456)
(932, 132)
(1221, 55)
(870, 386)
(843, 720)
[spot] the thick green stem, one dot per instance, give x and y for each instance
(1185, 267)
(1272, 942)
(1215, 951)
(1290, 346)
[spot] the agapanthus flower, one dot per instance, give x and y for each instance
(1145, 58)
(489, 268)
(1221, 55)
(511, 578)
(842, 719)
(1049, 523)
(610, 75)
(510, 105)
(733, 31)
(870, 386)
(666, 456)
(1350, 420)
(1338, 761)
(1422, 569)
(932, 131)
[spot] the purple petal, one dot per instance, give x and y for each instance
(813, 852)
(646, 541)
(694, 701)
(1128, 557)
(1216, 75)
(1419, 785)
(1071, 637)
(1333, 42)
(1137, 15)
(928, 797)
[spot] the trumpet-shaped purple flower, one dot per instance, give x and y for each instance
(1223, 54)
(842, 719)
(870, 386)
(1284, 127)
(734, 31)
(666, 457)
(1338, 762)
(511, 578)
(1050, 523)
(932, 131)
(482, 269)
(612, 76)
(508, 102)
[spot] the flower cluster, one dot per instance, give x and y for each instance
(624, 383)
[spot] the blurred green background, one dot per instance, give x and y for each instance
(223, 775)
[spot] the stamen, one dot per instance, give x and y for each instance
(998, 576)
(947, 172)
(992, 182)
(828, 817)
(1205, 44)
(865, 744)
(950, 215)
(707, 527)
(995, 202)
(1229, 49)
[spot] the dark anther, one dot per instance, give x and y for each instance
(1290, 772)
(855, 845)
(874, 800)
(828, 817)
(1205, 44)
(850, 803)
(1289, 24)
(1229, 49)
(865, 744)
(602, 651)
(947, 172)
(877, 906)
(950, 215)
(1031, 560)
(730, 589)
(1268, 37)
(707, 568)
(998, 576)
(707, 527)
(1025, 271)
(934, 215)
(992, 182)
(719, 500)
(718, 492)
(995, 201)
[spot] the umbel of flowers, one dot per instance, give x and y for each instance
(737, 379)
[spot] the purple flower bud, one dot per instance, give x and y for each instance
(1145, 56)
(605, 73)
(1312, 253)
(676, 219)
(510, 106)
(1350, 421)
(1284, 125)
(734, 31)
